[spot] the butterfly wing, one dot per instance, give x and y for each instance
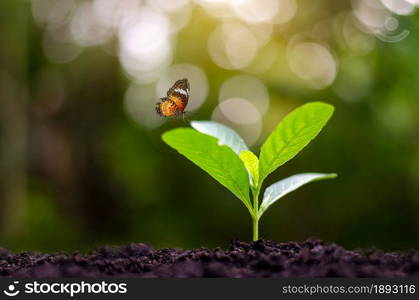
(179, 94)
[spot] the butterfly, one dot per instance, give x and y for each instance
(175, 102)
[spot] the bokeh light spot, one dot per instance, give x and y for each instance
(248, 88)
(237, 121)
(85, 27)
(399, 7)
(240, 111)
(145, 48)
(232, 46)
(256, 11)
(313, 63)
(139, 104)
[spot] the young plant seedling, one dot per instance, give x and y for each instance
(222, 153)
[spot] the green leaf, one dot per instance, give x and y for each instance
(218, 161)
(295, 131)
(251, 162)
(224, 134)
(287, 185)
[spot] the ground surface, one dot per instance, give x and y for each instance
(312, 258)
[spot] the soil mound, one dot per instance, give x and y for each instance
(311, 258)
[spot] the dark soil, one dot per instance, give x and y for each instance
(312, 258)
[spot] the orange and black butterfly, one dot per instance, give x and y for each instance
(175, 102)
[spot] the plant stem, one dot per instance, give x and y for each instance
(255, 229)
(255, 214)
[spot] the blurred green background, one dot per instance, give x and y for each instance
(82, 163)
